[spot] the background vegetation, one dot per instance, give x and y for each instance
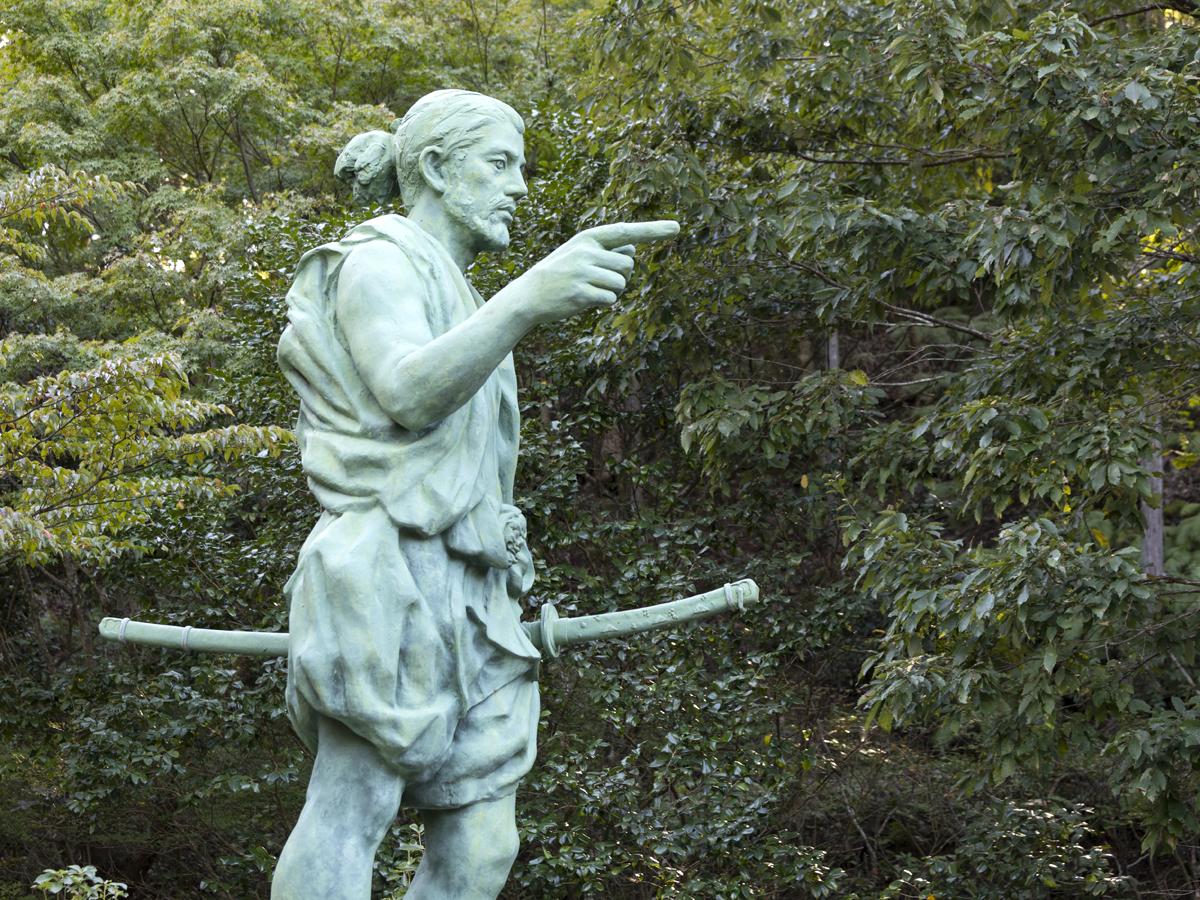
(923, 363)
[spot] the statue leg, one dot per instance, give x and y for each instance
(468, 851)
(352, 800)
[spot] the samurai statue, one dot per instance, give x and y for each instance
(409, 674)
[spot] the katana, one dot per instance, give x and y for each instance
(550, 634)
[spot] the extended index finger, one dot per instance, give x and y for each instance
(619, 233)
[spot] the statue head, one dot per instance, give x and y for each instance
(464, 148)
(447, 123)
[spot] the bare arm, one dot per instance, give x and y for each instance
(419, 379)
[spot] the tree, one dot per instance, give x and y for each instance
(932, 313)
(988, 205)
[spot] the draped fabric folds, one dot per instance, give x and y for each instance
(401, 624)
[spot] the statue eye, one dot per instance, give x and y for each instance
(500, 164)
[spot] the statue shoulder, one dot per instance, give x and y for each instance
(422, 252)
(386, 284)
(383, 249)
(390, 228)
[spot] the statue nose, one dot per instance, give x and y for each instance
(517, 188)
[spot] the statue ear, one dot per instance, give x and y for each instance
(432, 163)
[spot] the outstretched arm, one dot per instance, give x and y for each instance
(417, 378)
(420, 379)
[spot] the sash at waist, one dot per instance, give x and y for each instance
(352, 473)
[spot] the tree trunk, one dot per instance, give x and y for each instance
(1152, 517)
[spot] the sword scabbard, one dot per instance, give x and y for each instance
(550, 634)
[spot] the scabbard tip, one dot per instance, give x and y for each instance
(109, 626)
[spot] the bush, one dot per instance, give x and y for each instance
(79, 883)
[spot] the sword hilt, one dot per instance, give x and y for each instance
(550, 634)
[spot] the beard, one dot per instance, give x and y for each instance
(483, 219)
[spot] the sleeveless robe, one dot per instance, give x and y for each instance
(401, 624)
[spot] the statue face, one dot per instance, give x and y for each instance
(484, 184)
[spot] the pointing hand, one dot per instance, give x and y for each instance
(588, 271)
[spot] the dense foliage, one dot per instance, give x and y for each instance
(924, 363)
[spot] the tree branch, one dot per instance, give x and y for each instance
(929, 319)
(1187, 7)
(925, 159)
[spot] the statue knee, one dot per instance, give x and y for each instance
(358, 808)
(377, 810)
(505, 849)
(496, 859)
(473, 866)
(351, 789)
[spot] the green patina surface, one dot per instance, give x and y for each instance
(549, 634)
(409, 673)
